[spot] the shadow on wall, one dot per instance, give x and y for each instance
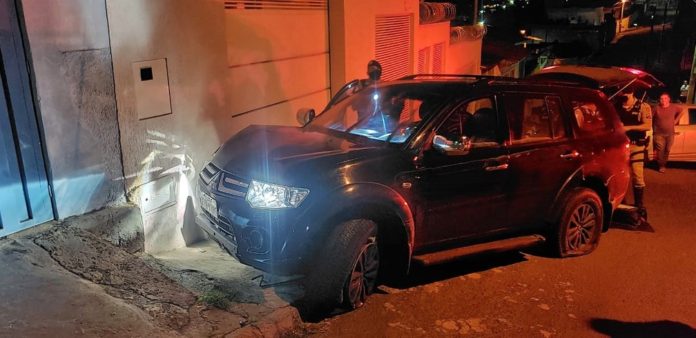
(662, 328)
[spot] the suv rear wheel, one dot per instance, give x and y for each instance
(347, 268)
(579, 225)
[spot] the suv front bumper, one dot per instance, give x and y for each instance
(229, 242)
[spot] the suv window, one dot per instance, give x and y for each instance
(476, 120)
(387, 113)
(589, 115)
(534, 117)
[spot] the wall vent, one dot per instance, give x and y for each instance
(277, 4)
(424, 61)
(438, 58)
(393, 45)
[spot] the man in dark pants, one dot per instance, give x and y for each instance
(666, 116)
(636, 118)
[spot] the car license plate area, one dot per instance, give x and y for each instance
(209, 205)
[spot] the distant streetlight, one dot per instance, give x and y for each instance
(523, 32)
(623, 2)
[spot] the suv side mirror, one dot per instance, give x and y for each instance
(452, 148)
(305, 115)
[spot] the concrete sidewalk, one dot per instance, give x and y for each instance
(61, 280)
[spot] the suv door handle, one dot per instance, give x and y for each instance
(571, 155)
(503, 166)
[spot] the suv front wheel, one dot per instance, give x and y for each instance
(346, 269)
(580, 223)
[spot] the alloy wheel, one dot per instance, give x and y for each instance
(581, 227)
(363, 277)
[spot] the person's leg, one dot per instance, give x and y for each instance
(659, 146)
(637, 178)
(669, 140)
(638, 183)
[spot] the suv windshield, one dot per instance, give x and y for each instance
(385, 113)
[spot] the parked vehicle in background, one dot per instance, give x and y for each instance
(684, 146)
(422, 170)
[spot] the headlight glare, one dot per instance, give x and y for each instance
(273, 196)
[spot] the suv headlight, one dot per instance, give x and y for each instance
(272, 196)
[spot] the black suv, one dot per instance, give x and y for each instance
(424, 170)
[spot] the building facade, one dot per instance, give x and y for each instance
(123, 101)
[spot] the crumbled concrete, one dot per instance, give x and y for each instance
(121, 226)
(204, 266)
(40, 299)
(121, 274)
(62, 280)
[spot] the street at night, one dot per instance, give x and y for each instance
(636, 284)
(343, 168)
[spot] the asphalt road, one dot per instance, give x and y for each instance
(636, 284)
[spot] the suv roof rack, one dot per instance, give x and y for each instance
(569, 81)
(572, 82)
(452, 76)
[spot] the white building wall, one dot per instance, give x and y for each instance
(465, 57)
(162, 155)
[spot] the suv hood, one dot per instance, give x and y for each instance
(267, 152)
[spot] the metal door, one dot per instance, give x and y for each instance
(24, 191)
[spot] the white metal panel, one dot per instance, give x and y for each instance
(151, 83)
(260, 85)
(282, 113)
(267, 35)
(278, 56)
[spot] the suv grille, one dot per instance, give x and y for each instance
(209, 172)
(232, 185)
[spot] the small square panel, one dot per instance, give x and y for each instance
(151, 84)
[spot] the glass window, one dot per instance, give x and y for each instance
(553, 104)
(588, 115)
(385, 113)
(534, 117)
(477, 120)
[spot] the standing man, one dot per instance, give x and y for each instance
(666, 116)
(374, 71)
(636, 118)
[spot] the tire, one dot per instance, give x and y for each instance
(345, 272)
(579, 224)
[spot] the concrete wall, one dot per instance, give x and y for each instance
(464, 57)
(227, 68)
(162, 155)
(70, 56)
